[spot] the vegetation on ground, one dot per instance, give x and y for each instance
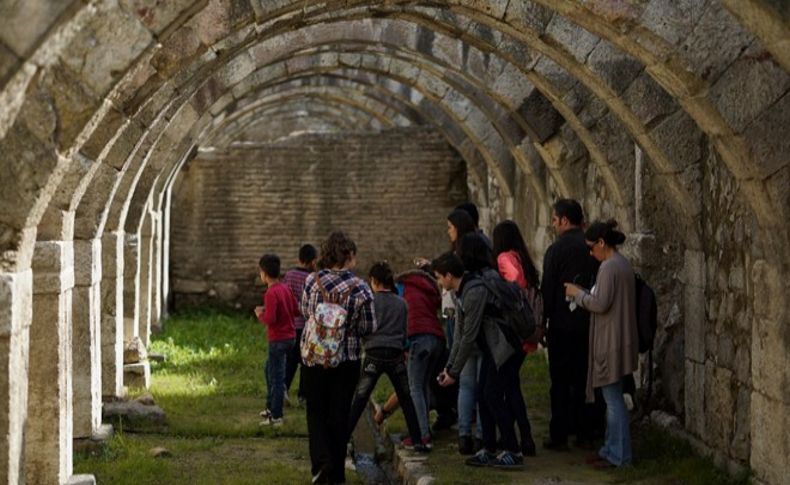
(211, 386)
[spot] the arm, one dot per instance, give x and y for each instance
(474, 305)
(270, 309)
(601, 300)
(508, 267)
(366, 324)
(549, 283)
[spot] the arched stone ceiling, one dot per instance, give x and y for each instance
(126, 113)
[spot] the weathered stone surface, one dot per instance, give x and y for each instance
(134, 351)
(131, 416)
(154, 14)
(137, 375)
(770, 421)
(577, 40)
(616, 68)
(8, 63)
(81, 479)
(649, 102)
(714, 43)
(25, 22)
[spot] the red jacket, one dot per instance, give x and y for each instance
(279, 312)
(424, 299)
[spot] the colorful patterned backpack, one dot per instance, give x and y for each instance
(325, 330)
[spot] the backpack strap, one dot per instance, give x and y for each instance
(337, 298)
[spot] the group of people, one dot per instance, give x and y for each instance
(440, 335)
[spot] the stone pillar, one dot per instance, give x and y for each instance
(86, 337)
(165, 267)
(112, 314)
(146, 267)
(16, 304)
(48, 437)
(156, 271)
(694, 341)
(131, 286)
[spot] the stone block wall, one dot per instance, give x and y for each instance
(391, 192)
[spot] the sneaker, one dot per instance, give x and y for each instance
(481, 458)
(408, 443)
(265, 413)
(422, 448)
(270, 421)
(466, 445)
(508, 461)
(427, 443)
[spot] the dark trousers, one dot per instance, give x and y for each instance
(275, 375)
(293, 362)
(514, 397)
(393, 363)
(494, 411)
(568, 351)
(329, 393)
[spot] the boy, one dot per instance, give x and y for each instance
(294, 279)
(278, 315)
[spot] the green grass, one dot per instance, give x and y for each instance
(212, 387)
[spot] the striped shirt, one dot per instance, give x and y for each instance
(361, 319)
(294, 280)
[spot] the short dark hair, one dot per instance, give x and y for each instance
(475, 253)
(383, 273)
(307, 253)
(606, 231)
(270, 264)
(470, 209)
(569, 209)
(337, 250)
(448, 263)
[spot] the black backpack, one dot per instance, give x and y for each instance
(646, 315)
(646, 325)
(512, 303)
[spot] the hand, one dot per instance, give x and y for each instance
(420, 262)
(571, 290)
(444, 379)
(258, 311)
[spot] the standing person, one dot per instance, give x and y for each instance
(329, 390)
(471, 209)
(514, 264)
(277, 313)
(479, 324)
(426, 343)
(459, 223)
(384, 353)
(568, 260)
(294, 279)
(614, 341)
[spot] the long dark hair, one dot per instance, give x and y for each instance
(606, 231)
(463, 224)
(475, 253)
(507, 237)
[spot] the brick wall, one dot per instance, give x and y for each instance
(390, 191)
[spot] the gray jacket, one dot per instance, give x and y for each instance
(473, 317)
(391, 317)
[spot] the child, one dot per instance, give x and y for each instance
(278, 315)
(384, 353)
(294, 279)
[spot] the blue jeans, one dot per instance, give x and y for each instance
(424, 354)
(467, 397)
(275, 375)
(617, 444)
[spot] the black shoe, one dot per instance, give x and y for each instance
(528, 447)
(477, 444)
(549, 444)
(466, 445)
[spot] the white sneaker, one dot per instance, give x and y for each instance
(270, 421)
(265, 413)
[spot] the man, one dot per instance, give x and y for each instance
(568, 260)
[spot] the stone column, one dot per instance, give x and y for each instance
(86, 337)
(112, 314)
(694, 341)
(165, 266)
(16, 304)
(146, 262)
(48, 437)
(156, 271)
(131, 286)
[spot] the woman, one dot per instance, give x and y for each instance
(329, 390)
(515, 265)
(459, 223)
(614, 341)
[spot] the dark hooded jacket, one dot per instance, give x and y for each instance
(424, 300)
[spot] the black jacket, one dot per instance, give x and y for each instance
(567, 260)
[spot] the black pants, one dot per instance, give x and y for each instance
(393, 363)
(293, 361)
(568, 351)
(514, 397)
(494, 411)
(329, 393)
